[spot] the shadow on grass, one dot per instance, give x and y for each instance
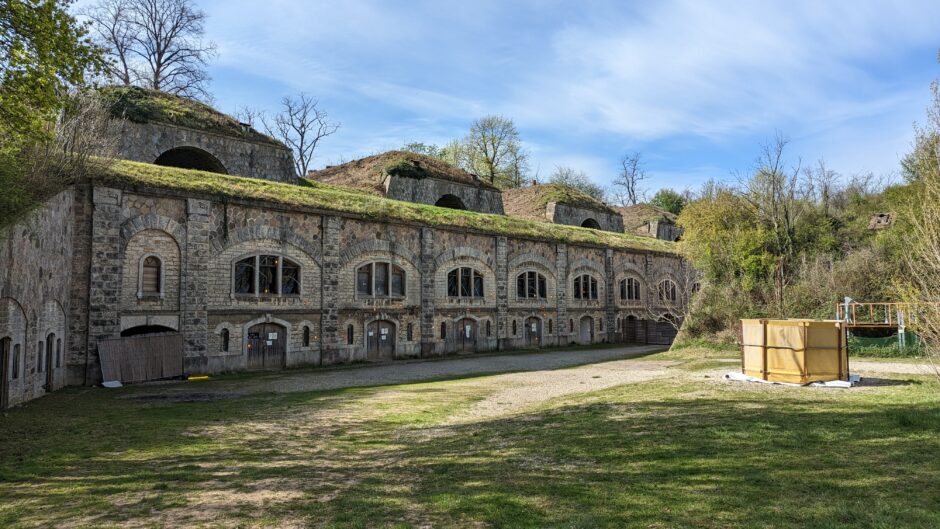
(641, 457)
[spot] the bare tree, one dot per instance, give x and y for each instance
(627, 182)
(155, 43)
(821, 184)
(577, 179)
(249, 116)
(300, 125)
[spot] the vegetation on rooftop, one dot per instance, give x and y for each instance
(141, 105)
(318, 195)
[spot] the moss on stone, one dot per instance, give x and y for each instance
(328, 197)
(140, 105)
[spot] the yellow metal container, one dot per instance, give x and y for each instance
(798, 351)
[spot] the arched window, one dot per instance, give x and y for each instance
(667, 291)
(531, 285)
(549, 326)
(224, 341)
(629, 289)
(600, 324)
(514, 327)
(380, 280)
(349, 334)
(410, 332)
(267, 275)
(585, 287)
(151, 277)
(16, 362)
(464, 282)
(58, 352)
(570, 325)
(305, 340)
(489, 329)
(5, 346)
(40, 364)
(50, 350)
(443, 330)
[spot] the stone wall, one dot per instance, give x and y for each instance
(35, 277)
(575, 216)
(200, 239)
(145, 142)
(430, 190)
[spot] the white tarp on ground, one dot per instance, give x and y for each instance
(741, 377)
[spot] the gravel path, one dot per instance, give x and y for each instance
(863, 366)
(415, 371)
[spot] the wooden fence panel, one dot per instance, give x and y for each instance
(141, 358)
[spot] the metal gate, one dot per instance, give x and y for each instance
(267, 346)
(467, 335)
(533, 332)
(141, 358)
(380, 340)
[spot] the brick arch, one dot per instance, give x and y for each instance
(460, 252)
(151, 221)
(377, 245)
(581, 264)
(252, 233)
(527, 258)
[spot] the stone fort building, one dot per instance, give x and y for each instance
(389, 257)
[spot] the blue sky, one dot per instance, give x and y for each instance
(693, 85)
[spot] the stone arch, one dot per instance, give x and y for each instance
(377, 245)
(531, 258)
(188, 157)
(253, 233)
(580, 265)
(267, 318)
(151, 221)
(454, 254)
(215, 345)
(450, 201)
(590, 222)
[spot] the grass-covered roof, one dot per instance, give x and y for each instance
(639, 214)
(368, 174)
(140, 105)
(326, 197)
(530, 202)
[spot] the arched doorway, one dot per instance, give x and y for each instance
(380, 340)
(533, 332)
(467, 335)
(146, 329)
(267, 346)
(629, 329)
(191, 158)
(450, 201)
(6, 349)
(586, 333)
(590, 223)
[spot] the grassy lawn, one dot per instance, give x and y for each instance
(685, 451)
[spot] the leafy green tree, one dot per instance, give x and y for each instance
(668, 200)
(43, 52)
(493, 150)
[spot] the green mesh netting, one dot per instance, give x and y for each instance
(886, 347)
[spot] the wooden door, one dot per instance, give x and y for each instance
(467, 335)
(267, 346)
(6, 349)
(629, 329)
(587, 329)
(533, 332)
(380, 340)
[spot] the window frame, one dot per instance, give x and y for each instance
(305, 336)
(225, 337)
(630, 294)
(668, 291)
(392, 268)
(525, 280)
(256, 273)
(472, 276)
(161, 279)
(582, 287)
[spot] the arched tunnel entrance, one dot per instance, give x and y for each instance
(191, 158)
(450, 201)
(590, 223)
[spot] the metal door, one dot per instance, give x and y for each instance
(533, 332)
(467, 335)
(267, 346)
(587, 330)
(380, 340)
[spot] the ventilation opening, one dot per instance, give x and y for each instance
(590, 223)
(191, 158)
(450, 201)
(146, 329)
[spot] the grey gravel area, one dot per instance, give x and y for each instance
(415, 371)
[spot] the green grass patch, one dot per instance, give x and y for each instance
(683, 452)
(334, 198)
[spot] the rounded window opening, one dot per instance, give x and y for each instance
(146, 329)
(191, 158)
(450, 201)
(590, 223)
